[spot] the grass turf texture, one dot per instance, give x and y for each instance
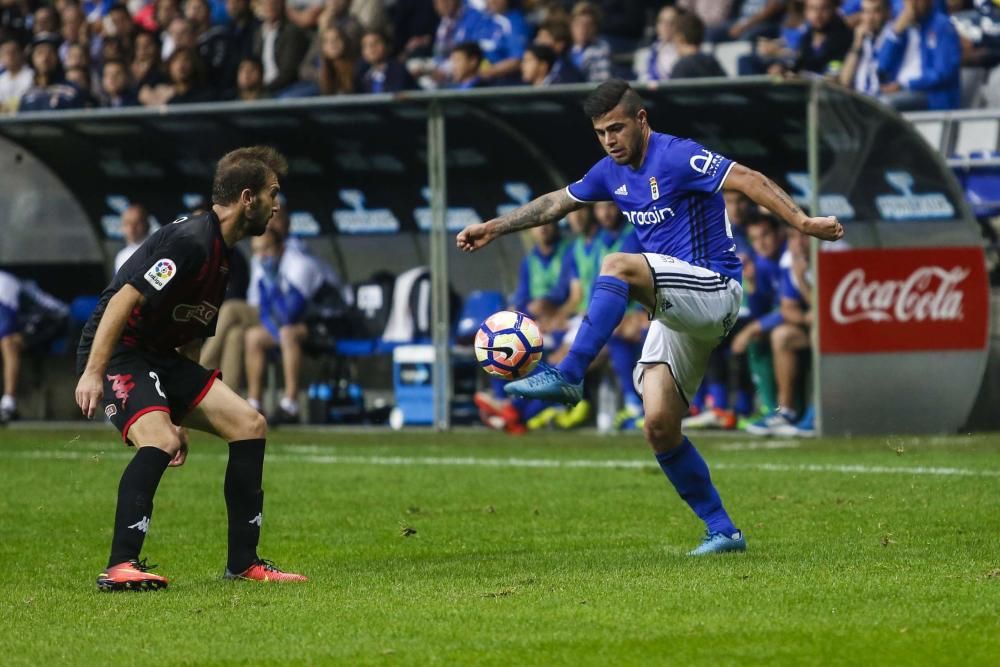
(419, 563)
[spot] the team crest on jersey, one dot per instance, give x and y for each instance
(161, 273)
(110, 411)
(654, 189)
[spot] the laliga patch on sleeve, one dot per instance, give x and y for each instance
(161, 273)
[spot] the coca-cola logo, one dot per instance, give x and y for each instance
(929, 293)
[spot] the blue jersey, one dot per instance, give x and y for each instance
(673, 199)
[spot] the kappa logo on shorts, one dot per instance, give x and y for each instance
(110, 411)
(161, 273)
(121, 385)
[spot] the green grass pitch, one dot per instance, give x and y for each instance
(472, 548)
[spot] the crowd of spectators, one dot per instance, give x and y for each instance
(65, 54)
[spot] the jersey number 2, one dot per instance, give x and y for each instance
(156, 379)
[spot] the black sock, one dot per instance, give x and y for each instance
(244, 501)
(135, 502)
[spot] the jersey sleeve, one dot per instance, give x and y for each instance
(593, 186)
(173, 262)
(694, 168)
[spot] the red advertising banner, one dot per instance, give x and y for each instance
(903, 300)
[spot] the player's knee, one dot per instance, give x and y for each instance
(168, 441)
(616, 265)
(257, 426)
(662, 434)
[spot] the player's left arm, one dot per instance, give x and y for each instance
(540, 211)
(768, 194)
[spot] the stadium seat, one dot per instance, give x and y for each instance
(478, 306)
(976, 135)
(81, 308)
(933, 133)
(729, 53)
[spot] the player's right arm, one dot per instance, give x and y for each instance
(541, 211)
(90, 388)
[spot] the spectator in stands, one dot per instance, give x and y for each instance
(755, 19)
(623, 23)
(826, 41)
(16, 78)
(305, 13)
(413, 24)
(337, 14)
(119, 26)
(146, 64)
(555, 33)
(655, 62)
(714, 14)
(49, 90)
(286, 284)
(240, 31)
(920, 60)
(178, 35)
(74, 30)
(860, 70)
(692, 62)
(790, 338)
(185, 82)
(455, 23)
(590, 53)
(380, 73)
(979, 29)
(135, 230)
(328, 71)
(211, 43)
(115, 88)
(250, 81)
(502, 34)
(280, 45)
(739, 210)
(29, 318)
(157, 15)
(79, 77)
(466, 61)
(46, 22)
(537, 65)
(15, 20)
(784, 49)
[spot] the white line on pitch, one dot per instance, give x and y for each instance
(336, 459)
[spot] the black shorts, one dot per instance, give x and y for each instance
(137, 382)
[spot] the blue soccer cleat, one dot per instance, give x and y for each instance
(546, 384)
(720, 543)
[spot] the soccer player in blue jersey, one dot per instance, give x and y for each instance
(688, 278)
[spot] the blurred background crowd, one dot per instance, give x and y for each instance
(66, 54)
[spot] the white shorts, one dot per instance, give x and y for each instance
(695, 309)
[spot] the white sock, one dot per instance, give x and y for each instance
(290, 406)
(8, 402)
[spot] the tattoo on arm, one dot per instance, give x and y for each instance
(791, 210)
(543, 210)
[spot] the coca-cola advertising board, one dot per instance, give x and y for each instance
(903, 300)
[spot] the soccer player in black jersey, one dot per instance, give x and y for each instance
(166, 297)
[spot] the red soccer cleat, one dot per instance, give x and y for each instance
(264, 570)
(132, 575)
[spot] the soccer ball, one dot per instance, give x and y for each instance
(508, 345)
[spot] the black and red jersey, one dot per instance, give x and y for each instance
(182, 271)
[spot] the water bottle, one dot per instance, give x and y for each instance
(606, 405)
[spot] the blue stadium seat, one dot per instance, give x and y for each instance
(478, 306)
(81, 308)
